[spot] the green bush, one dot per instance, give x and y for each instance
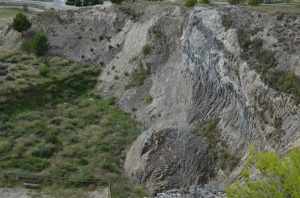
(138, 76)
(190, 3)
(205, 1)
(234, 2)
(146, 49)
(64, 169)
(40, 45)
(278, 177)
(96, 2)
(254, 2)
(148, 99)
(44, 70)
(33, 164)
(5, 145)
(44, 151)
(21, 23)
(26, 46)
(226, 22)
(116, 1)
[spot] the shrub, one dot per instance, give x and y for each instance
(138, 76)
(226, 22)
(278, 177)
(148, 99)
(5, 145)
(64, 169)
(96, 2)
(106, 162)
(44, 151)
(44, 70)
(78, 3)
(146, 49)
(234, 2)
(53, 139)
(205, 1)
(40, 44)
(116, 1)
(26, 46)
(32, 164)
(21, 23)
(190, 3)
(254, 2)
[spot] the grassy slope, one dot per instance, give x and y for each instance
(7, 15)
(53, 124)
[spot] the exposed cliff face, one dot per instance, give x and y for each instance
(195, 70)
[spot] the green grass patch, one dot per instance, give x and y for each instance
(55, 125)
(7, 15)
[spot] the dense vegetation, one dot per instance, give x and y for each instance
(51, 123)
(274, 176)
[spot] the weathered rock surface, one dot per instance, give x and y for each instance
(195, 71)
(168, 148)
(193, 192)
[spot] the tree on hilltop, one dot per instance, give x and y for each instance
(21, 23)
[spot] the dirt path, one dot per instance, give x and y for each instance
(13, 193)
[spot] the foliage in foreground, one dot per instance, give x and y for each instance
(275, 176)
(52, 124)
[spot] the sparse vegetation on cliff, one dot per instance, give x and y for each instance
(217, 148)
(266, 64)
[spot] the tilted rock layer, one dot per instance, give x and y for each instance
(194, 69)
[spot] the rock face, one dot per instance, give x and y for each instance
(193, 191)
(162, 162)
(194, 93)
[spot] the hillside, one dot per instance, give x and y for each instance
(54, 125)
(204, 84)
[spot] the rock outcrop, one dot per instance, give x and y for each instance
(195, 93)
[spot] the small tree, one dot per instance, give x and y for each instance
(40, 44)
(78, 3)
(21, 23)
(26, 45)
(234, 2)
